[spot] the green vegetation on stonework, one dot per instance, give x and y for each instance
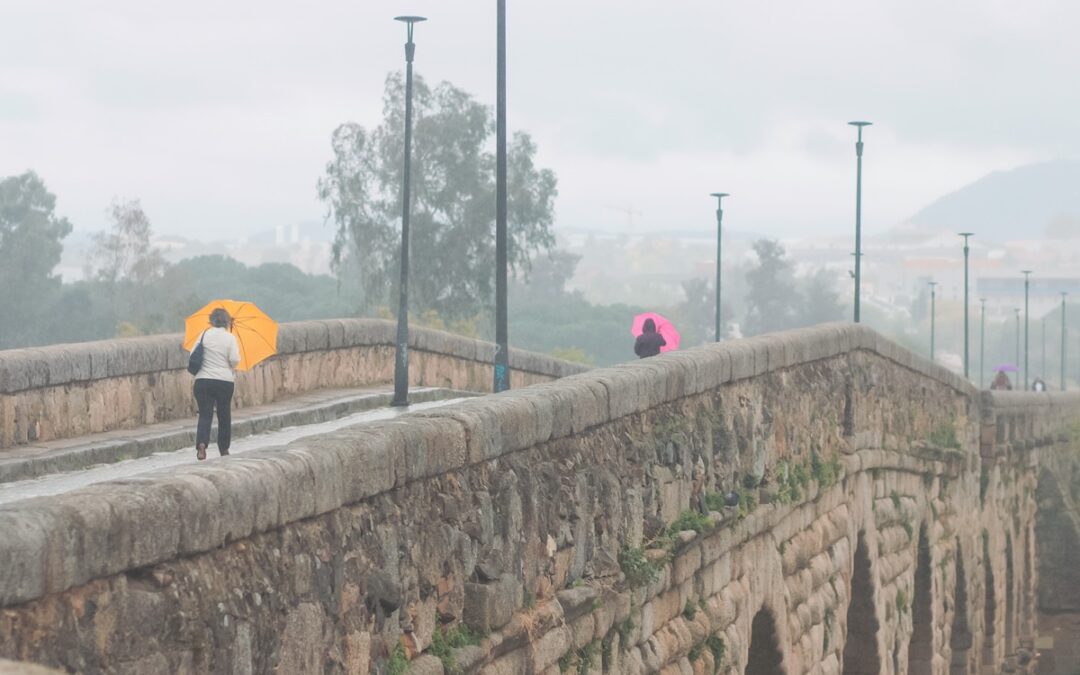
(624, 632)
(689, 611)
(792, 478)
(895, 497)
(691, 520)
(397, 664)
(901, 601)
(444, 642)
(637, 569)
(716, 645)
(825, 472)
(695, 652)
(715, 501)
(670, 428)
(581, 660)
(984, 485)
(908, 529)
(944, 436)
(605, 651)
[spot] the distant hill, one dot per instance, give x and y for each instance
(1029, 202)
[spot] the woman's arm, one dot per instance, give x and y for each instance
(234, 352)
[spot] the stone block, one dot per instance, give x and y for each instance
(198, 521)
(23, 551)
(425, 664)
(14, 371)
(298, 502)
(627, 389)
(489, 606)
(21, 668)
(368, 460)
(432, 447)
(144, 521)
(742, 359)
(591, 405)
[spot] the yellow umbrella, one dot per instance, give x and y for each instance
(256, 332)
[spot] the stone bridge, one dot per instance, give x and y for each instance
(814, 502)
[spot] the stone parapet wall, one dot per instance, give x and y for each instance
(544, 519)
(65, 391)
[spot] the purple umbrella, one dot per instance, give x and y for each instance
(1006, 368)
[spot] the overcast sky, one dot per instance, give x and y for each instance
(218, 114)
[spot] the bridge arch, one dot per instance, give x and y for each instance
(1010, 597)
(989, 602)
(921, 645)
(861, 652)
(960, 638)
(766, 657)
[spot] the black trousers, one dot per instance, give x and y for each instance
(210, 394)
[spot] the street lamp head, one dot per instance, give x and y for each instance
(1025, 271)
(860, 124)
(409, 21)
(966, 234)
(718, 195)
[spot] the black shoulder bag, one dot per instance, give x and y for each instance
(194, 364)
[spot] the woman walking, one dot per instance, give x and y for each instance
(215, 381)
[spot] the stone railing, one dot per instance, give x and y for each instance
(575, 523)
(72, 390)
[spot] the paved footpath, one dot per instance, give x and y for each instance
(296, 417)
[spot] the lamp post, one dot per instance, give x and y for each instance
(401, 356)
(1042, 366)
(858, 213)
(933, 312)
(966, 236)
(502, 330)
(1063, 295)
(1027, 287)
(719, 248)
(1017, 339)
(982, 344)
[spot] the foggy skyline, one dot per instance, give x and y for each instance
(218, 117)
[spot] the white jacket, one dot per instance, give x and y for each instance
(221, 354)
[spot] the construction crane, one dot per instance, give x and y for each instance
(629, 211)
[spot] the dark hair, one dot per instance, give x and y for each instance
(649, 326)
(219, 318)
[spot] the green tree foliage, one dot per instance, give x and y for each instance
(820, 303)
(545, 317)
(771, 298)
(453, 210)
(778, 300)
(31, 237)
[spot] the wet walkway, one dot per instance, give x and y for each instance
(172, 444)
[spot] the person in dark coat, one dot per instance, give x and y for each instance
(649, 342)
(1001, 382)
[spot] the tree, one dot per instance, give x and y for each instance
(772, 297)
(453, 210)
(124, 252)
(820, 301)
(31, 237)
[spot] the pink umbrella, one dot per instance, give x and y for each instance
(663, 326)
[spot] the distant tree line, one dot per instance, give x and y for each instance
(130, 289)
